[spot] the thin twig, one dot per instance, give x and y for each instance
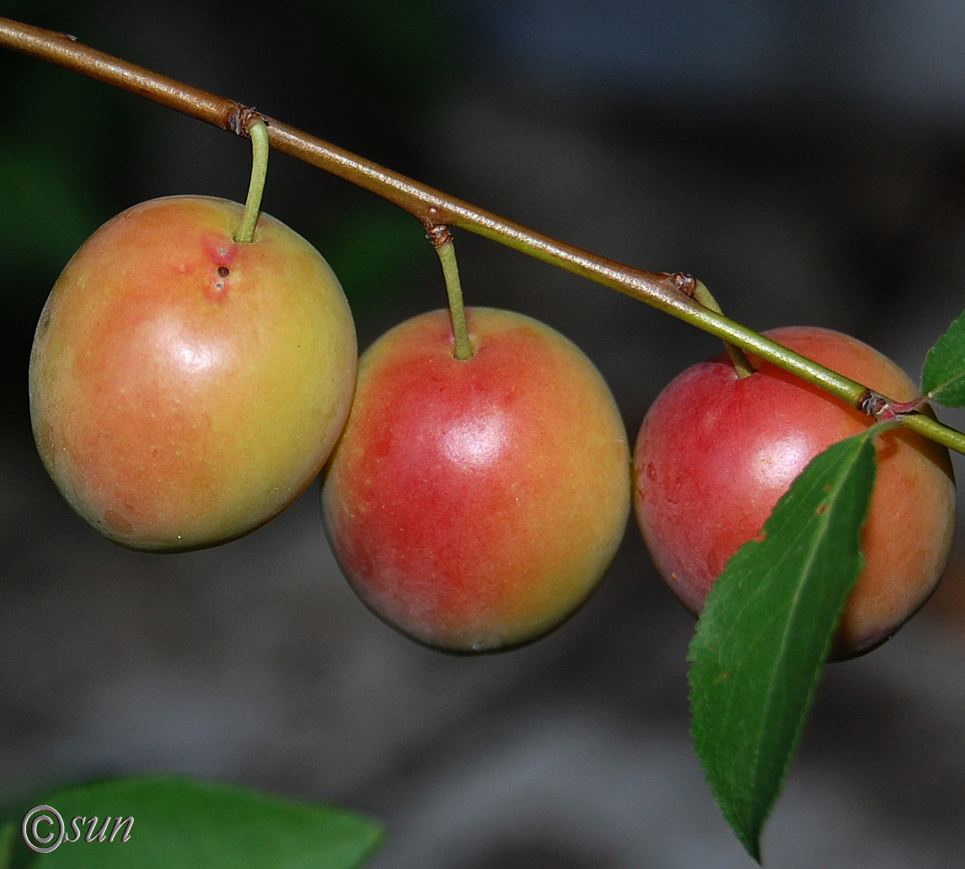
(433, 207)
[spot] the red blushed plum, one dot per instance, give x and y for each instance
(474, 505)
(184, 389)
(716, 452)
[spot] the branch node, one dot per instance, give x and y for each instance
(439, 235)
(874, 404)
(684, 283)
(241, 119)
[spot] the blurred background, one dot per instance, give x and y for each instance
(806, 160)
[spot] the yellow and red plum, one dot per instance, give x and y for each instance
(474, 505)
(184, 388)
(716, 452)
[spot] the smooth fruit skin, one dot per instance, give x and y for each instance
(184, 389)
(715, 453)
(474, 505)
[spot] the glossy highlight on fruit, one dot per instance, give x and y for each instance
(184, 388)
(715, 453)
(474, 505)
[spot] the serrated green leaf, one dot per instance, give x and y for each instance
(943, 375)
(197, 825)
(766, 630)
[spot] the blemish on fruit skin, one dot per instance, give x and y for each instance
(222, 257)
(219, 289)
(117, 523)
(44, 324)
(221, 252)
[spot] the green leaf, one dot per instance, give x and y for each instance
(8, 833)
(186, 823)
(943, 375)
(766, 630)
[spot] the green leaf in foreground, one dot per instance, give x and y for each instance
(197, 825)
(943, 375)
(8, 834)
(766, 629)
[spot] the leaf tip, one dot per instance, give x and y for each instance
(752, 844)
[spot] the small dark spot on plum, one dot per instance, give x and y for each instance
(223, 271)
(117, 523)
(44, 324)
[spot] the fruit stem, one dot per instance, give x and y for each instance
(742, 365)
(664, 291)
(441, 239)
(258, 133)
